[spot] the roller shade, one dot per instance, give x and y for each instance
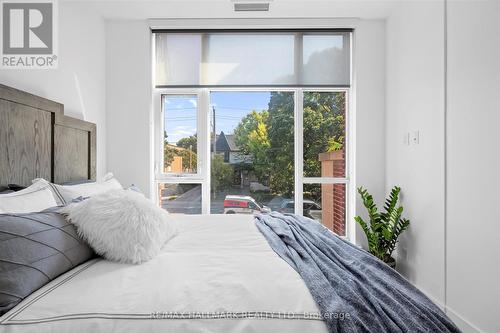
(298, 58)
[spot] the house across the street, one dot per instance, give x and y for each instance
(226, 144)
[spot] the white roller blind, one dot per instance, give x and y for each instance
(326, 59)
(252, 59)
(178, 59)
(248, 59)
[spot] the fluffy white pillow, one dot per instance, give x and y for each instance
(66, 193)
(122, 225)
(34, 198)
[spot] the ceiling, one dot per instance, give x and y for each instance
(142, 9)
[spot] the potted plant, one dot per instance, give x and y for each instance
(385, 227)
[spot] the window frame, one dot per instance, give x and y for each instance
(200, 177)
(160, 133)
(203, 131)
(300, 179)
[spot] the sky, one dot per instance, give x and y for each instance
(230, 107)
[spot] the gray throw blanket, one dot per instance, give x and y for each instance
(354, 291)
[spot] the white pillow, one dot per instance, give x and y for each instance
(122, 225)
(66, 193)
(34, 198)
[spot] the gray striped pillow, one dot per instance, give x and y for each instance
(35, 248)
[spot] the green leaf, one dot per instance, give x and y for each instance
(384, 228)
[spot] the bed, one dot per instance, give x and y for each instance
(220, 273)
(215, 276)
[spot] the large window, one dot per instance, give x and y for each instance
(253, 122)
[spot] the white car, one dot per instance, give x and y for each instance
(243, 204)
(258, 187)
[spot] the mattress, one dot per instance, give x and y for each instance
(217, 275)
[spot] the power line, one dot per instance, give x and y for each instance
(219, 107)
(239, 108)
(181, 117)
(194, 118)
(215, 133)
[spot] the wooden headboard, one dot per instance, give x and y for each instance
(38, 141)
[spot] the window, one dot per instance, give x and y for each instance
(253, 122)
(180, 143)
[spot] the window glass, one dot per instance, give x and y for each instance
(324, 134)
(180, 144)
(252, 151)
(326, 204)
(180, 198)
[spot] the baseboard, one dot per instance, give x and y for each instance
(461, 322)
(432, 298)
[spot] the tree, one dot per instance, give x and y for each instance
(168, 153)
(252, 138)
(189, 143)
(269, 136)
(324, 127)
(280, 126)
(189, 158)
(247, 125)
(221, 174)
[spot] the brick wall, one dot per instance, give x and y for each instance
(333, 195)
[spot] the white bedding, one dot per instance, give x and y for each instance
(218, 266)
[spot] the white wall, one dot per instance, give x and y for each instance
(451, 249)
(473, 165)
(79, 81)
(128, 102)
(369, 108)
(415, 101)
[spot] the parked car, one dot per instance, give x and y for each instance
(243, 204)
(310, 208)
(258, 187)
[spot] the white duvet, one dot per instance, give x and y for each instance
(218, 275)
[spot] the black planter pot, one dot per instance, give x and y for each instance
(391, 263)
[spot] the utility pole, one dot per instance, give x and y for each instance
(190, 157)
(215, 133)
